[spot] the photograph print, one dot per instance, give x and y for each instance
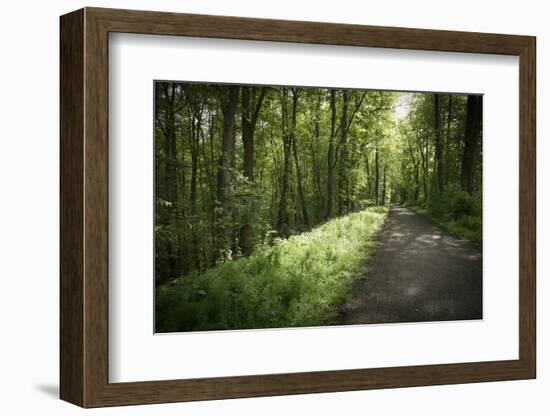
(286, 206)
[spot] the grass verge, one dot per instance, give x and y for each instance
(467, 227)
(301, 281)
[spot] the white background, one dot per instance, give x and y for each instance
(29, 217)
(135, 354)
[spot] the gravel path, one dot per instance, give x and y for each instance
(420, 272)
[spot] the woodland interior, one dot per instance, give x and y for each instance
(284, 206)
(232, 294)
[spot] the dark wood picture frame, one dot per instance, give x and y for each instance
(84, 207)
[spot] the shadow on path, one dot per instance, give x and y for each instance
(419, 273)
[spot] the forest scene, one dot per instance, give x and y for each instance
(279, 206)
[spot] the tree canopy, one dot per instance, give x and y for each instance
(239, 167)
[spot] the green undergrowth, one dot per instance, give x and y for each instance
(301, 281)
(459, 213)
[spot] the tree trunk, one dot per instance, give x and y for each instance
(330, 155)
(316, 171)
(367, 169)
(194, 163)
(376, 174)
(343, 202)
(250, 112)
(383, 201)
(438, 145)
(213, 192)
(294, 139)
(171, 156)
(225, 168)
(416, 172)
(247, 135)
(249, 118)
(426, 160)
(471, 138)
(175, 254)
(195, 127)
(448, 138)
(283, 217)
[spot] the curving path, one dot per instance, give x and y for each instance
(420, 272)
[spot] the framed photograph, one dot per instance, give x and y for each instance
(255, 207)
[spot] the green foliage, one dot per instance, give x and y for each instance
(465, 217)
(300, 281)
(454, 205)
(283, 161)
(439, 205)
(469, 228)
(463, 205)
(458, 212)
(282, 188)
(446, 202)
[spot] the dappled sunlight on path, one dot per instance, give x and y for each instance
(419, 273)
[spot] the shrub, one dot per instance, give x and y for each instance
(458, 211)
(463, 204)
(300, 281)
(438, 205)
(469, 228)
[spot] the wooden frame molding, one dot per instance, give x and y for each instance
(84, 207)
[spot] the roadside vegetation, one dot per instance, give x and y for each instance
(300, 281)
(461, 216)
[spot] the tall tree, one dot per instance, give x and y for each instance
(439, 162)
(343, 202)
(196, 108)
(330, 154)
(294, 141)
(226, 164)
(471, 138)
(171, 162)
(383, 199)
(171, 104)
(376, 174)
(423, 144)
(251, 104)
(252, 101)
(287, 135)
(416, 174)
(316, 170)
(447, 155)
